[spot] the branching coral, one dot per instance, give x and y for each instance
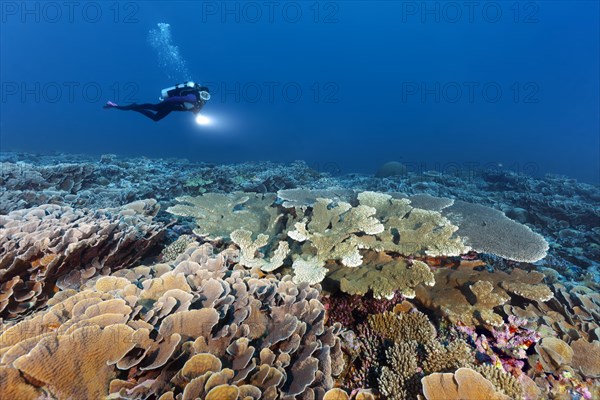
(502, 381)
(400, 346)
(442, 358)
(398, 380)
(400, 327)
(172, 251)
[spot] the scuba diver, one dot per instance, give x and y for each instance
(188, 96)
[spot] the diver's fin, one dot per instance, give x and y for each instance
(110, 104)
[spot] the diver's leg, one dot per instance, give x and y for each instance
(160, 115)
(144, 109)
(147, 113)
(162, 109)
(157, 116)
(138, 107)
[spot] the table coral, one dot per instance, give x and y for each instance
(472, 297)
(382, 275)
(332, 236)
(217, 214)
(249, 251)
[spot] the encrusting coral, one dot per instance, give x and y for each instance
(49, 246)
(196, 328)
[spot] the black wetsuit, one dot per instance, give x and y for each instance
(156, 112)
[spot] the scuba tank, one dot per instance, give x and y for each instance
(184, 89)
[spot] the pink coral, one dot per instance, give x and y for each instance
(506, 345)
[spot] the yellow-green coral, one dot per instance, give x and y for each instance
(332, 231)
(198, 182)
(398, 380)
(502, 380)
(383, 275)
(172, 251)
(442, 358)
(309, 270)
(401, 327)
(250, 248)
(411, 231)
(217, 214)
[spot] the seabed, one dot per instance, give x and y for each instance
(138, 278)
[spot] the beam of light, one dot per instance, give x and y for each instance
(203, 120)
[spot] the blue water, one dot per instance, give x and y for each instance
(354, 84)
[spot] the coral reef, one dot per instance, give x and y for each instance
(217, 214)
(383, 276)
(471, 297)
(173, 250)
(396, 349)
(249, 250)
(300, 294)
(49, 246)
(490, 231)
(29, 180)
(563, 210)
(328, 232)
(196, 328)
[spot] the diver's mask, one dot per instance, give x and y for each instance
(204, 95)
